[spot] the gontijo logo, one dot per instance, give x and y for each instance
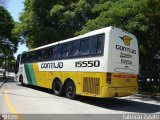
(126, 40)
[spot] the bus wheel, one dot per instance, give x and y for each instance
(70, 90)
(57, 88)
(21, 80)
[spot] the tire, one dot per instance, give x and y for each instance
(70, 90)
(21, 80)
(57, 88)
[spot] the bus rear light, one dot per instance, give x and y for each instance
(109, 77)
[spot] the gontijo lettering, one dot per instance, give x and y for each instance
(52, 65)
(122, 48)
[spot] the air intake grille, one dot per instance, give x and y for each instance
(91, 85)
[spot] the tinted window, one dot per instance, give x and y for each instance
(38, 55)
(93, 45)
(100, 45)
(66, 49)
(26, 57)
(97, 43)
(30, 56)
(47, 53)
(75, 48)
(57, 51)
(52, 52)
(85, 46)
(23, 58)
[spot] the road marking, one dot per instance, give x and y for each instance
(10, 106)
(8, 102)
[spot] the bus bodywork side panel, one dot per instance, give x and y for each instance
(45, 78)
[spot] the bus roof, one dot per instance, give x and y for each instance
(98, 31)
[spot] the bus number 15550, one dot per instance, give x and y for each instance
(91, 63)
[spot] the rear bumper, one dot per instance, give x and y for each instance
(118, 91)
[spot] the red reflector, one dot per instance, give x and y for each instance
(133, 76)
(125, 76)
(117, 76)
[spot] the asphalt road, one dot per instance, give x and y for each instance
(17, 99)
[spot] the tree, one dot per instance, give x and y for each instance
(141, 18)
(44, 22)
(8, 42)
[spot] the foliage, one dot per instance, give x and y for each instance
(43, 22)
(140, 17)
(8, 41)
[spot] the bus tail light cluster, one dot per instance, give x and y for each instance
(109, 78)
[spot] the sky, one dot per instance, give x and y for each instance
(15, 7)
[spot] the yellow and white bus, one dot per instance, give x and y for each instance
(101, 63)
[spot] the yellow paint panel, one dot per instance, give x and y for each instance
(45, 79)
(123, 80)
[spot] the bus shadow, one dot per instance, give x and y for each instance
(116, 104)
(45, 90)
(121, 104)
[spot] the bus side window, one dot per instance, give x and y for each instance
(23, 57)
(30, 56)
(100, 44)
(75, 48)
(35, 55)
(27, 57)
(93, 49)
(66, 49)
(57, 51)
(46, 53)
(38, 55)
(43, 54)
(85, 46)
(52, 52)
